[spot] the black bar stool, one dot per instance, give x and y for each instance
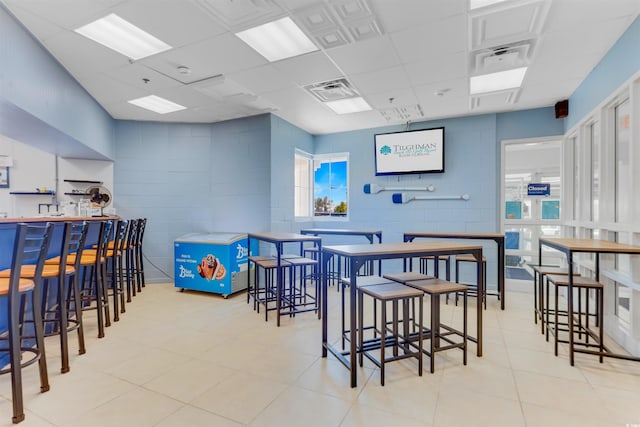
(93, 288)
(31, 245)
(57, 317)
(435, 288)
(582, 285)
(114, 279)
(129, 256)
(474, 288)
(298, 297)
(394, 293)
(362, 281)
(138, 254)
(425, 260)
(539, 273)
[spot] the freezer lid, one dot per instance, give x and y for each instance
(221, 238)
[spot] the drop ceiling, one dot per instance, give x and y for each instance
(411, 60)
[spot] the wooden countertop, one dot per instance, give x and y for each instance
(57, 219)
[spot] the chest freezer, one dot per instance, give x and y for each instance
(212, 262)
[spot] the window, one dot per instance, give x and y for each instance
(321, 185)
(624, 178)
(576, 177)
(594, 137)
(303, 184)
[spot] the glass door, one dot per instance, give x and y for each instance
(531, 195)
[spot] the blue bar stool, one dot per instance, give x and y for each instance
(30, 247)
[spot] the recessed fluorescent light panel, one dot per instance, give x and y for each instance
(123, 37)
(349, 105)
(157, 104)
(278, 40)
(475, 4)
(497, 81)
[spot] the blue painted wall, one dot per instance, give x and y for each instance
(472, 166)
(192, 178)
(38, 93)
(285, 138)
(618, 65)
(536, 123)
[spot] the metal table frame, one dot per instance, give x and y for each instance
(357, 256)
(368, 234)
(496, 237)
(279, 240)
(597, 247)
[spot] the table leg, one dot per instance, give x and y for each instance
(279, 279)
(501, 280)
(481, 295)
(570, 307)
(352, 323)
(324, 268)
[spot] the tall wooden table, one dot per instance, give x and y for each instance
(357, 256)
(496, 237)
(593, 246)
(279, 240)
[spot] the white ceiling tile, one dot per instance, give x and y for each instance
(424, 48)
(110, 91)
(266, 78)
(430, 41)
(316, 18)
(185, 96)
(40, 27)
(218, 55)
(591, 39)
(82, 56)
(367, 55)
(69, 14)
(452, 88)
(176, 23)
(141, 77)
(387, 98)
(400, 15)
(389, 78)
(563, 14)
(238, 15)
(506, 22)
(429, 71)
(310, 68)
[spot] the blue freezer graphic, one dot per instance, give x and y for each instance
(212, 262)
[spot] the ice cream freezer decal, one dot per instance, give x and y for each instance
(214, 265)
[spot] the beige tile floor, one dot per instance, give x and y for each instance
(193, 359)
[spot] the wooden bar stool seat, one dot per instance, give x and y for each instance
(267, 295)
(435, 288)
(407, 276)
(400, 340)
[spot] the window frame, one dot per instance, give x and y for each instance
(314, 159)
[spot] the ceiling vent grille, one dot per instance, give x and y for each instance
(332, 90)
(502, 57)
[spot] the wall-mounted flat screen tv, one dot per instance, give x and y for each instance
(416, 151)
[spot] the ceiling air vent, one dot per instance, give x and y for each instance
(332, 90)
(502, 57)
